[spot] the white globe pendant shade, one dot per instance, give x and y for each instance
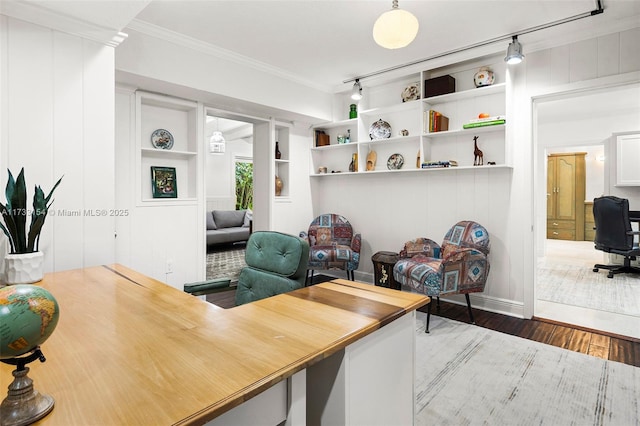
(396, 28)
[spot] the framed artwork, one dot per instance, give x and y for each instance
(163, 182)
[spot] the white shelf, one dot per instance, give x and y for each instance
(485, 129)
(466, 94)
(391, 140)
(181, 118)
(428, 170)
(457, 143)
(334, 146)
(404, 106)
(334, 124)
(170, 201)
(164, 153)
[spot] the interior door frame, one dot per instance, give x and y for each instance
(538, 155)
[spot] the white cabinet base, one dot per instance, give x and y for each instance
(371, 382)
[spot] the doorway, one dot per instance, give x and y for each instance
(236, 142)
(565, 287)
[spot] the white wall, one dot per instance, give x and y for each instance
(164, 241)
(56, 119)
(389, 210)
(265, 95)
(571, 69)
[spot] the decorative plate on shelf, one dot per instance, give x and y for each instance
(395, 162)
(162, 139)
(411, 92)
(380, 130)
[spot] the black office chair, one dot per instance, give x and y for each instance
(614, 234)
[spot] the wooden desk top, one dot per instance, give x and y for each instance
(131, 350)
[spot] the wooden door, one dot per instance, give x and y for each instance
(565, 196)
(566, 188)
(551, 187)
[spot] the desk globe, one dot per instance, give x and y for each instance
(28, 316)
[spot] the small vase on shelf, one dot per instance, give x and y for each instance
(278, 153)
(353, 166)
(353, 112)
(278, 186)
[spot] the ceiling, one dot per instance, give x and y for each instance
(328, 42)
(322, 43)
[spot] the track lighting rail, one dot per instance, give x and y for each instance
(597, 11)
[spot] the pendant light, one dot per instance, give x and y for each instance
(217, 142)
(514, 52)
(395, 28)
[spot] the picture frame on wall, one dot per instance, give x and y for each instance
(163, 182)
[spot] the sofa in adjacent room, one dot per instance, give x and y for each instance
(228, 226)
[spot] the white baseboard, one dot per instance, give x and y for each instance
(478, 300)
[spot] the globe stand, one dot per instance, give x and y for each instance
(23, 404)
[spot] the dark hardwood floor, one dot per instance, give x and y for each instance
(592, 342)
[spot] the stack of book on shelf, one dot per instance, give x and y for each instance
(435, 122)
(437, 164)
(482, 122)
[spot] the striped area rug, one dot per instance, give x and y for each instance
(468, 375)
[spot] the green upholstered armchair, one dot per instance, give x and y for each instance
(276, 263)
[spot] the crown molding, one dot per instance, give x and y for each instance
(50, 19)
(218, 52)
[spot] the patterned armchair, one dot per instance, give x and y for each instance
(459, 266)
(333, 245)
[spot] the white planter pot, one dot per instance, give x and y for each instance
(24, 268)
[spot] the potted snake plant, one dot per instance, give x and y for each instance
(24, 262)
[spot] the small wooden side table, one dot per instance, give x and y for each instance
(383, 262)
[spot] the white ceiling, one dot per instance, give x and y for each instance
(325, 42)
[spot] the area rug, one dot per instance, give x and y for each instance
(468, 375)
(579, 286)
(225, 264)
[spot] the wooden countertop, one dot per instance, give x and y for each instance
(132, 350)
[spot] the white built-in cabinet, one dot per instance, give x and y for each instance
(628, 160)
(419, 145)
(179, 117)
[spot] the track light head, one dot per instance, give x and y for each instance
(514, 52)
(356, 92)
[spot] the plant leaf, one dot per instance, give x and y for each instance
(34, 232)
(9, 221)
(19, 212)
(11, 183)
(41, 206)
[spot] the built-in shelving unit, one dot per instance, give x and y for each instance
(180, 118)
(418, 146)
(281, 165)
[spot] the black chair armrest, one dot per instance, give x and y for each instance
(210, 286)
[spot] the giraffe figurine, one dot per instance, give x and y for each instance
(478, 157)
